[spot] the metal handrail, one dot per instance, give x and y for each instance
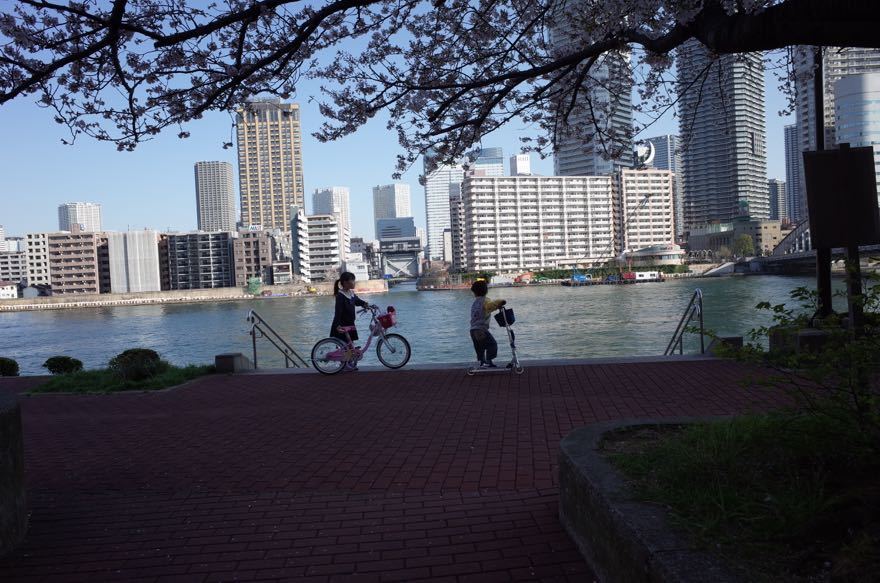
(694, 308)
(258, 324)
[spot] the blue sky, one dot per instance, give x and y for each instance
(153, 186)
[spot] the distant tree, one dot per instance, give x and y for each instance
(447, 72)
(253, 286)
(723, 252)
(744, 246)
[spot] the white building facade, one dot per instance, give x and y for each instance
(667, 156)
(857, 114)
(134, 261)
(522, 222)
(215, 196)
(646, 209)
(38, 259)
(391, 201)
(837, 63)
(439, 185)
(325, 247)
(85, 214)
(334, 200)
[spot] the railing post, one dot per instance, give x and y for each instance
(254, 342)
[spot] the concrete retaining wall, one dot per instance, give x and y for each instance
(13, 510)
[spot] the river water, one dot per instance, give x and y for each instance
(551, 322)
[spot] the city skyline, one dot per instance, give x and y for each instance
(152, 187)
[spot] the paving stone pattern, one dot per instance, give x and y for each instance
(367, 476)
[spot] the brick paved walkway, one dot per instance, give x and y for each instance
(370, 476)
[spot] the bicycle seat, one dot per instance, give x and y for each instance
(344, 329)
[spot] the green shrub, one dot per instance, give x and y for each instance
(137, 364)
(8, 367)
(63, 365)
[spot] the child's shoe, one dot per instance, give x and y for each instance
(489, 364)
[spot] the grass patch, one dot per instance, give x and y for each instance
(106, 381)
(785, 497)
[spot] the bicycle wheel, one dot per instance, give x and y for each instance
(323, 358)
(393, 350)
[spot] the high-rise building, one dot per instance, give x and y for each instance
(520, 165)
(837, 63)
(647, 214)
(438, 187)
(723, 135)
(87, 215)
(13, 266)
(778, 204)
(487, 161)
(215, 196)
(133, 261)
(667, 156)
(456, 226)
(522, 222)
(857, 104)
(334, 200)
(585, 146)
(794, 163)
(270, 168)
(391, 201)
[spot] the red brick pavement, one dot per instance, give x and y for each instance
(373, 476)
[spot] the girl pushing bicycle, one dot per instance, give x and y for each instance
(344, 313)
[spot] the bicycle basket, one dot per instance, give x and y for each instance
(508, 314)
(387, 320)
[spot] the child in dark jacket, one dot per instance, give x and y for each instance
(484, 343)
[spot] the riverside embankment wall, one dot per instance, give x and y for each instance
(61, 302)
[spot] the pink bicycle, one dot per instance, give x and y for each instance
(331, 355)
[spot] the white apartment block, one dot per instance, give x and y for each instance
(299, 244)
(8, 290)
(38, 259)
(85, 214)
(647, 209)
(334, 200)
(215, 196)
(522, 222)
(325, 247)
(134, 261)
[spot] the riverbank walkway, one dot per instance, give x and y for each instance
(368, 476)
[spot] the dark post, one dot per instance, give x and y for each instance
(823, 255)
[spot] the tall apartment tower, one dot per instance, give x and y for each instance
(487, 161)
(439, 185)
(778, 202)
(391, 201)
(270, 168)
(578, 149)
(837, 63)
(723, 136)
(85, 214)
(215, 196)
(857, 99)
(646, 214)
(334, 200)
(794, 165)
(520, 165)
(667, 156)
